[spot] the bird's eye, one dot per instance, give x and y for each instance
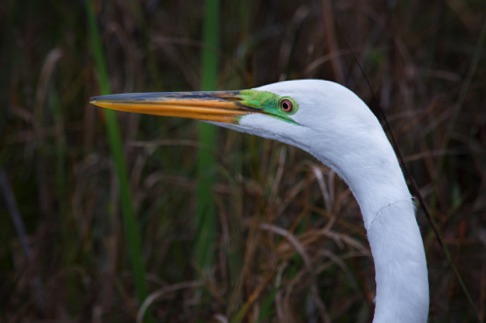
(286, 105)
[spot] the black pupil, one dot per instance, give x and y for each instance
(286, 105)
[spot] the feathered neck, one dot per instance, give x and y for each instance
(374, 176)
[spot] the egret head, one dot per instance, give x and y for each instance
(309, 114)
(302, 113)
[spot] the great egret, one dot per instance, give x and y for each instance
(332, 123)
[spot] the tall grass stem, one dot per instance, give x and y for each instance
(206, 164)
(130, 224)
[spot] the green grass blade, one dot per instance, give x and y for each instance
(130, 224)
(206, 209)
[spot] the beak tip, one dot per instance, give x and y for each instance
(94, 100)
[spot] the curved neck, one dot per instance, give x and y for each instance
(402, 292)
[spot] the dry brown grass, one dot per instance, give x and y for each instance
(290, 245)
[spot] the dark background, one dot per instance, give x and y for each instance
(425, 60)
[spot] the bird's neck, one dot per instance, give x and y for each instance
(402, 293)
(377, 182)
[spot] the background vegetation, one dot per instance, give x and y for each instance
(287, 242)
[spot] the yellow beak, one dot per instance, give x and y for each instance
(218, 106)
